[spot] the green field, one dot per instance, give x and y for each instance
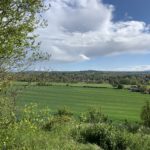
(117, 104)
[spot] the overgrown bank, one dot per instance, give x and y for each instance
(92, 130)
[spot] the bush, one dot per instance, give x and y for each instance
(56, 122)
(61, 117)
(93, 115)
(130, 127)
(103, 135)
(7, 112)
(64, 111)
(120, 86)
(145, 114)
(30, 132)
(109, 137)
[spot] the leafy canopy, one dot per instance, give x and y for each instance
(18, 19)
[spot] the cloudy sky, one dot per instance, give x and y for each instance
(96, 35)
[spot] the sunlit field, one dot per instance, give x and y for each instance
(117, 104)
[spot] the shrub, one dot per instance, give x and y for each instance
(56, 122)
(64, 111)
(93, 115)
(61, 117)
(7, 112)
(109, 137)
(120, 86)
(103, 135)
(35, 115)
(27, 132)
(145, 114)
(130, 127)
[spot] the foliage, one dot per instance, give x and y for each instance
(18, 20)
(120, 86)
(145, 114)
(28, 132)
(7, 111)
(33, 114)
(64, 111)
(56, 122)
(93, 115)
(42, 84)
(66, 132)
(99, 77)
(109, 137)
(61, 117)
(132, 127)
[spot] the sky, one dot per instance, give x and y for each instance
(105, 35)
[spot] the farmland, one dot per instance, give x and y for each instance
(117, 104)
(74, 75)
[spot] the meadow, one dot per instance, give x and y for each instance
(117, 104)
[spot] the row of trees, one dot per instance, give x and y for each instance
(86, 76)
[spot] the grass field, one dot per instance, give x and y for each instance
(117, 104)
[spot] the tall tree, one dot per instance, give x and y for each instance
(18, 20)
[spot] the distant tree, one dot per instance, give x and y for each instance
(145, 114)
(120, 86)
(143, 89)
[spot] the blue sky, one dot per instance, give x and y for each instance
(137, 9)
(96, 35)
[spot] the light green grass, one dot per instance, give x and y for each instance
(117, 104)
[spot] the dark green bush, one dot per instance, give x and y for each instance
(120, 86)
(109, 137)
(103, 135)
(132, 127)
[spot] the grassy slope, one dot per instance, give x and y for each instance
(117, 104)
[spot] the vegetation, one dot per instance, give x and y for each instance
(118, 104)
(134, 81)
(113, 78)
(109, 137)
(29, 127)
(145, 114)
(40, 129)
(120, 86)
(17, 22)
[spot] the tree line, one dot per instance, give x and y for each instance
(113, 78)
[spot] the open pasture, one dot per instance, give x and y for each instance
(117, 104)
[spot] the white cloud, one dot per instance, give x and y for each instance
(84, 57)
(84, 29)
